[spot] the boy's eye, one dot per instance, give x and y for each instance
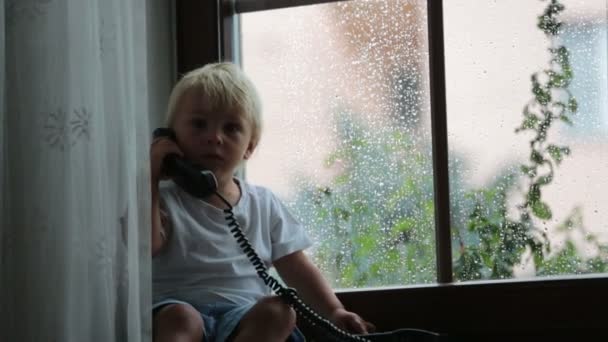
(233, 127)
(198, 123)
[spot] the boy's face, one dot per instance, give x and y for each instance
(216, 140)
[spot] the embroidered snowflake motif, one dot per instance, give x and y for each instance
(56, 129)
(122, 282)
(79, 125)
(103, 258)
(60, 132)
(107, 38)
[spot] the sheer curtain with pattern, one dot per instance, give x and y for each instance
(81, 82)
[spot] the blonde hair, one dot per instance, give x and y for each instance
(226, 87)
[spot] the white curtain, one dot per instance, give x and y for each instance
(81, 83)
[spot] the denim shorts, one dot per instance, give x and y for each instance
(220, 320)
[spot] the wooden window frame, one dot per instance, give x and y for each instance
(556, 309)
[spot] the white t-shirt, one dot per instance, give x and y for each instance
(203, 264)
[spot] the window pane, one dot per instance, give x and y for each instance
(522, 209)
(347, 140)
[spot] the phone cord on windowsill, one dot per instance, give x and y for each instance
(289, 295)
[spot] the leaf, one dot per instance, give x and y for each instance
(567, 71)
(557, 80)
(565, 119)
(332, 158)
(542, 96)
(366, 244)
(341, 213)
(537, 157)
(563, 56)
(554, 8)
(528, 170)
(404, 225)
(544, 180)
(572, 104)
(348, 273)
(541, 210)
(557, 153)
(538, 258)
(534, 194)
(322, 213)
(341, 179)
(530, 121)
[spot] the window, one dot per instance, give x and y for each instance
(586, 38)
(491, 50)
(495, 57)
(348, 139)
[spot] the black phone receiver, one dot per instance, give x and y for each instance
(195, 181)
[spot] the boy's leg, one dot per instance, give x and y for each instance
(269, 320)
(178, 323)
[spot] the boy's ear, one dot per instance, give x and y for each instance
(250, 149)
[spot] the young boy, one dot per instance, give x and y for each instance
(205, 288)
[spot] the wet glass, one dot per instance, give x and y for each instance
(346, 141)
(527, 135)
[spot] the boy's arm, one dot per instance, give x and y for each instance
(159, 236)
(298, 271)
(159, 148)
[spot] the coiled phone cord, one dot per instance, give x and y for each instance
(289, 295)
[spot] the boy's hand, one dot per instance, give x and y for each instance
(159, 149)
(351, 322)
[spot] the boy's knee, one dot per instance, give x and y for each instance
(180, 318)
(274, 309)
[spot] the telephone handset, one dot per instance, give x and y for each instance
(201, 184)
(198, 183)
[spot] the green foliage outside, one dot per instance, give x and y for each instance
(374, 223)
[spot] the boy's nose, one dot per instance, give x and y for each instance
(214, 138)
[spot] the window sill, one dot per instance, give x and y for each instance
(544, 308)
